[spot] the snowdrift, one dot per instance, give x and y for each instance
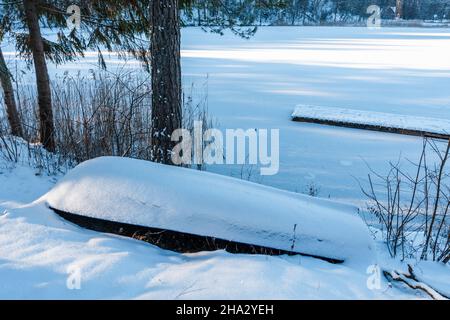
(142, 193)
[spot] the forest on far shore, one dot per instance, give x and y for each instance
(315, 12)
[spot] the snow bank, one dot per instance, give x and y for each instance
(371, 118)
(148, 194)
(39, 252)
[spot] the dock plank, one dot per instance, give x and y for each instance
(374, 121)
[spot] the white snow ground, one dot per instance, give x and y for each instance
(40, 254)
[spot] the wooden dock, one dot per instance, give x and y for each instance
(374, 121)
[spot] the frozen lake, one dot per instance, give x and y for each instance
(257, 83)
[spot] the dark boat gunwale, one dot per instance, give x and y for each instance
(180, 242)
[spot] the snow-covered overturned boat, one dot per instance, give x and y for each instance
(175, 207)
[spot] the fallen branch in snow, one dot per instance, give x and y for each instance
(411, 281)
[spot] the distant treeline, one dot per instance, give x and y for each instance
(312, 12)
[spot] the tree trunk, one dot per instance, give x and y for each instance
(399, 10)
(166, 78)
(46, 127)
(8, 96)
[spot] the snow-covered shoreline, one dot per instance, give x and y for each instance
(40, 253)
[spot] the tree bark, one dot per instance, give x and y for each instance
(46, 126)
(399, 10)
(166, 78)
(8, 96)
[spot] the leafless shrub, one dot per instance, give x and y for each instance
(247, 171)
(17, 151)
(413, 210)
(196, 109)
(98, 114)
(8, 150)
(312, 190)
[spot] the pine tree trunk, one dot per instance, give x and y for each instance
(399, 10)
(8, 96)
(166, 78)
(46, 127)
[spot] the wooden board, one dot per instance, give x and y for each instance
(417, 133)
(412, 125)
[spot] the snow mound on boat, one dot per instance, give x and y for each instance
(185, 200)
